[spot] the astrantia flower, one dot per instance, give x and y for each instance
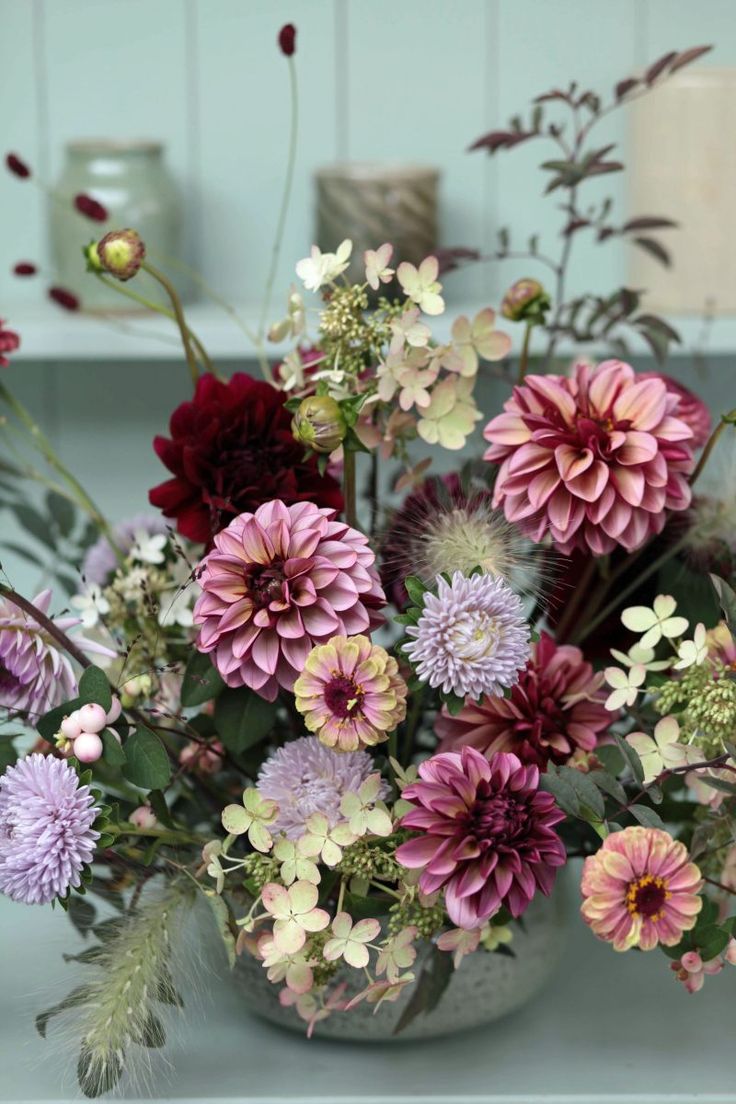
(351, 693)
(441, 527)
(100, 562)
(35, 675)
(487, 837)
(555, 709)
(231, 449)
(471, 638)
(640, 889)
(46, 833)
(595, 460)
(276, 583)
(304, 777)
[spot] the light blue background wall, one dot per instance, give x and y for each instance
(380, 79)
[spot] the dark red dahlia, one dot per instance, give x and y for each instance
(231, 449)
(9, 342)
(555, 710)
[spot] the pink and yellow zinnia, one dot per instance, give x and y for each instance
(641, 889)
(351, 693)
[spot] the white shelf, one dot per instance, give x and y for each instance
(53, 335)
(610, 1029)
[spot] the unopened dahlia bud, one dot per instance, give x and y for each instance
(319, 423)
(121, 253)
(92, 256)
(525, 301)
(287, 39)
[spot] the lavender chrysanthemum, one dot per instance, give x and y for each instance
(100, 561)
(35, 675)
(471, 638)
(46, 834)
(305, 777)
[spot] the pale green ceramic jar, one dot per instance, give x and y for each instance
(131, 180)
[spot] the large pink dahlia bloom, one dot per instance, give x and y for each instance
(596, 459)
(276, 583)
(556, 709)
(640, 889)
(488, 834)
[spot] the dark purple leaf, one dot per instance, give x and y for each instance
(654, 249)
(601, 167)
(689, 55)
(555, 94)
(454, 256)
(573, 225)
(654, 322)
(659, 66)
(647, 222)
(623, 87)
(500, 139)
(605, 232)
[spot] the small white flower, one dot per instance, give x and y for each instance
(655, 623)
(693, 652)
(662, 750)
(175, 608)
(471, 340)
(364, 812)
(377, 271)
(451, 415)
(323, 268)
(149, 547)
(349, 940)
(91, 605)
(638, 655)
(421, 284)
(626, 685)
(409, 330)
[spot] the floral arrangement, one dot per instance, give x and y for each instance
(358, 730)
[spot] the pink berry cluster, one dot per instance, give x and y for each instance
(83, 727)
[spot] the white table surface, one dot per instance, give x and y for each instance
(610, 1028)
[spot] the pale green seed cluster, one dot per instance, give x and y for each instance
(261, 869)
(351, 339)
(704, 701)
(368, 861)
(427, 920)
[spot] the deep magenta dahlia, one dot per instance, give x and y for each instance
(231, 449)
(488, 835)
(597, 459)
(276, 583)
(555, 709)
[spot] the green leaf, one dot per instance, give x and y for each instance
(646, 816)
(82, 914)
(113, 751)
(94, 687)
(222, 917)
(726, 599)
(630, 756)
(610, 785)
(72, 1000)
(362, 908)
(433, 980)
(201, 682)
(35, 524)
(8, 756)
(565, 796)
(62, 511)
(611, 758)
(243, 718)
(157, 801)
(592, 805)
(148, 764)
(48, 725)
(711, 940)
(416, 589)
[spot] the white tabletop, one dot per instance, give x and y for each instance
(610, 1029)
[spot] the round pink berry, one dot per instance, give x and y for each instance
(88, 747)
(92, 718)
(114, 711)
(143, 817)
(71, 726)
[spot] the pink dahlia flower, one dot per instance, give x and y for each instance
(556, 709)
(276, 583)
(488, 834)
(692, 410)
(596, 460)
(640, 889)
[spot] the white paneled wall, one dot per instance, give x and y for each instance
(413, 80)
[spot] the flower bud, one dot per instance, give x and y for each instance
(525, 301)
(287, 39)
(16, 166)
(319, 423)
(121, 253)
(92, 257)
(89, 207)
(143, 817)
(64, 298)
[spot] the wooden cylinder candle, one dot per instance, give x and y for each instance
(372, 204)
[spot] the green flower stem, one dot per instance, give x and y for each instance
(621, 597)
(348, 487)
(158, 308)
(285, 199)
(179, 316)
(43, 445)
(524, 358)
(165, 835)
(726, 419)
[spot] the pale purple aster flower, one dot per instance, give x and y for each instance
(35, 675)
(101, 562)
(305, 777)
(471, 638)
(46, 833)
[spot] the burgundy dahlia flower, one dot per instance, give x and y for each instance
(555, 709)
(487, 837)
(278, 582)
(231, 449)
(596, 459)
(9, 342)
